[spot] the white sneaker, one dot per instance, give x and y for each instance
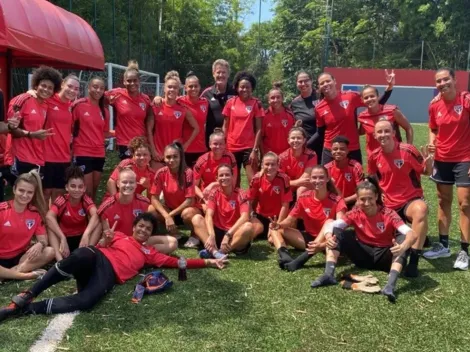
(437, 251)
(192, 242)
(461, 262)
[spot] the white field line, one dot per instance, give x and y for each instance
(54, 333)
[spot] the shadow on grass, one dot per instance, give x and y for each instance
(417, 285)
(259, 251)
(442, 265)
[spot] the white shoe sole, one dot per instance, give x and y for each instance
(459, 268)
(446, 255)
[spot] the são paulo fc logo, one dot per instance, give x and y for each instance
(344, 104)
(177, 114)
(383, 118)
(381, 226)
(233, 204)
(398, 163)
(203, 108)
(81, 212)
(458, 109)
(348, 176)
(284, 123)
(301, 164)
(142, 106)
(327, 211)
(137, 212)
(277, 189)
(249, 108)
(145, 250)
(30, 223)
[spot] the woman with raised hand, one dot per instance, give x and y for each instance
(24, 149)
(72, 218)
(166, 126)
(242, 125)
(270, 195)
(379, 240)
(139, 163)
(449, 141)
(336, 115)
(90, 129)
(277, 123)
(117, 258)
(228, 216)
(125, 206)
(297, 161)
(22, 218)
(176, 182)
(131, 108)
(315, 207)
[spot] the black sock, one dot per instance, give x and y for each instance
(412, 267)
(330, 268)
(444, 240)
(298, 262)
(284, 256)
(464, 246)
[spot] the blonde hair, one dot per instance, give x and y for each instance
(221, 62)
(173, 75)
(33, 178)
(132, 66)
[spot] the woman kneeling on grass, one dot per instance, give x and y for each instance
(380, 239)
(116, 259)
(72, 218)
(315, 207)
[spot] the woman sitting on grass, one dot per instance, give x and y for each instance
(380, 239)
(116, 259)
(72, 217)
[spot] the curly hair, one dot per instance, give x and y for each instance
(138, 142)
(73, 172)
(244, 75)
(44, 73)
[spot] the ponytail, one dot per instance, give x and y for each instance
(132, 67)
(38, 200)
(182, 167)
(218, 132)
(371, 184)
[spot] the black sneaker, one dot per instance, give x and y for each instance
(23, 299)
(9, 311)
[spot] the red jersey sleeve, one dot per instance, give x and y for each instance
(190, 189)
(254, 187)
(296, 211)
(87, 203)
(243, 200)
(212, 200)
(319, 116)
(372, 163)
(358, 173)
(432, 117)
(416, 159)
(228, 108)
(348, 218)
(312, 160)
(58, 206)
(356, 100)
(341, 206)
(158, 259)
(259, 111)
(287, 193)
(157, 185)
(394, 218)
(41, 228)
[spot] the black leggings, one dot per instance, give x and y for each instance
(93, 273)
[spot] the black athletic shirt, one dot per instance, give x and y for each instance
(216, 105)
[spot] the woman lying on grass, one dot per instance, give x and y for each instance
(380, 239)
(116, 259)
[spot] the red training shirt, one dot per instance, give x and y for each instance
(346, 178)
(128, 257)
(33, 116)
(206, 168)
(399, 173)
(270, 194)
(72, 219)
(17, 229)
(91, 128)
(173, 193)
(241, 125)
(146, 173)
(227, 209)
(452, 122)
(338, 116)
(124, 214)
(199, 110)
(315, 212)
(294, 166)
(131, 113)
(59, 118)
(275, 130)
(169, 120)
(378, 230)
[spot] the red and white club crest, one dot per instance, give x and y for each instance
(381, 226)
(277, 189)
(233, 204)
(327, 211)
(348, 176)
(142, 106)
(344, 104)
(249, 108)
(284, 123)
(301, 164)
(82, 212)
(145, 250)
(383, 118)
(30, 223)
(203, 108)
(398, 163)
(137, 212)
(458, 109)
(177, 114)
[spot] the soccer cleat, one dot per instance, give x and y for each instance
(437, 251)
(23, 299)
(368, 279)
(362, 286)
(9, 311)
(192, 242)
(204, 254)
(324, 280)
(461, 262)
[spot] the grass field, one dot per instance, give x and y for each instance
(254, 306)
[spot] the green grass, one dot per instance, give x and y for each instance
(254, 306)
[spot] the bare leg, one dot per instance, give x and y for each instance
(163, 244)
(26, 265)
(242, 237)
(463, 196)
(444, 212)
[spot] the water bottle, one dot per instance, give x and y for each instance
(182, 269)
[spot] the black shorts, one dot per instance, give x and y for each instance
(265, 221)
(191, 158)
(402, 210)
(11, 262)
(243, 158)
(353, 154)
(54, 175)
(73, 242)
(124, 152)
(219, 236)
(178, 220)
(89, 164)
(367, 256)
(307, 237)
(451, 173)
(20, 167)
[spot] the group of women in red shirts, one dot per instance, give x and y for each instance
(296, 196)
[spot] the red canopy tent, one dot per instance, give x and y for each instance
(34, 32)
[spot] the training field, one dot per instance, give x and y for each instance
(254, 306)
